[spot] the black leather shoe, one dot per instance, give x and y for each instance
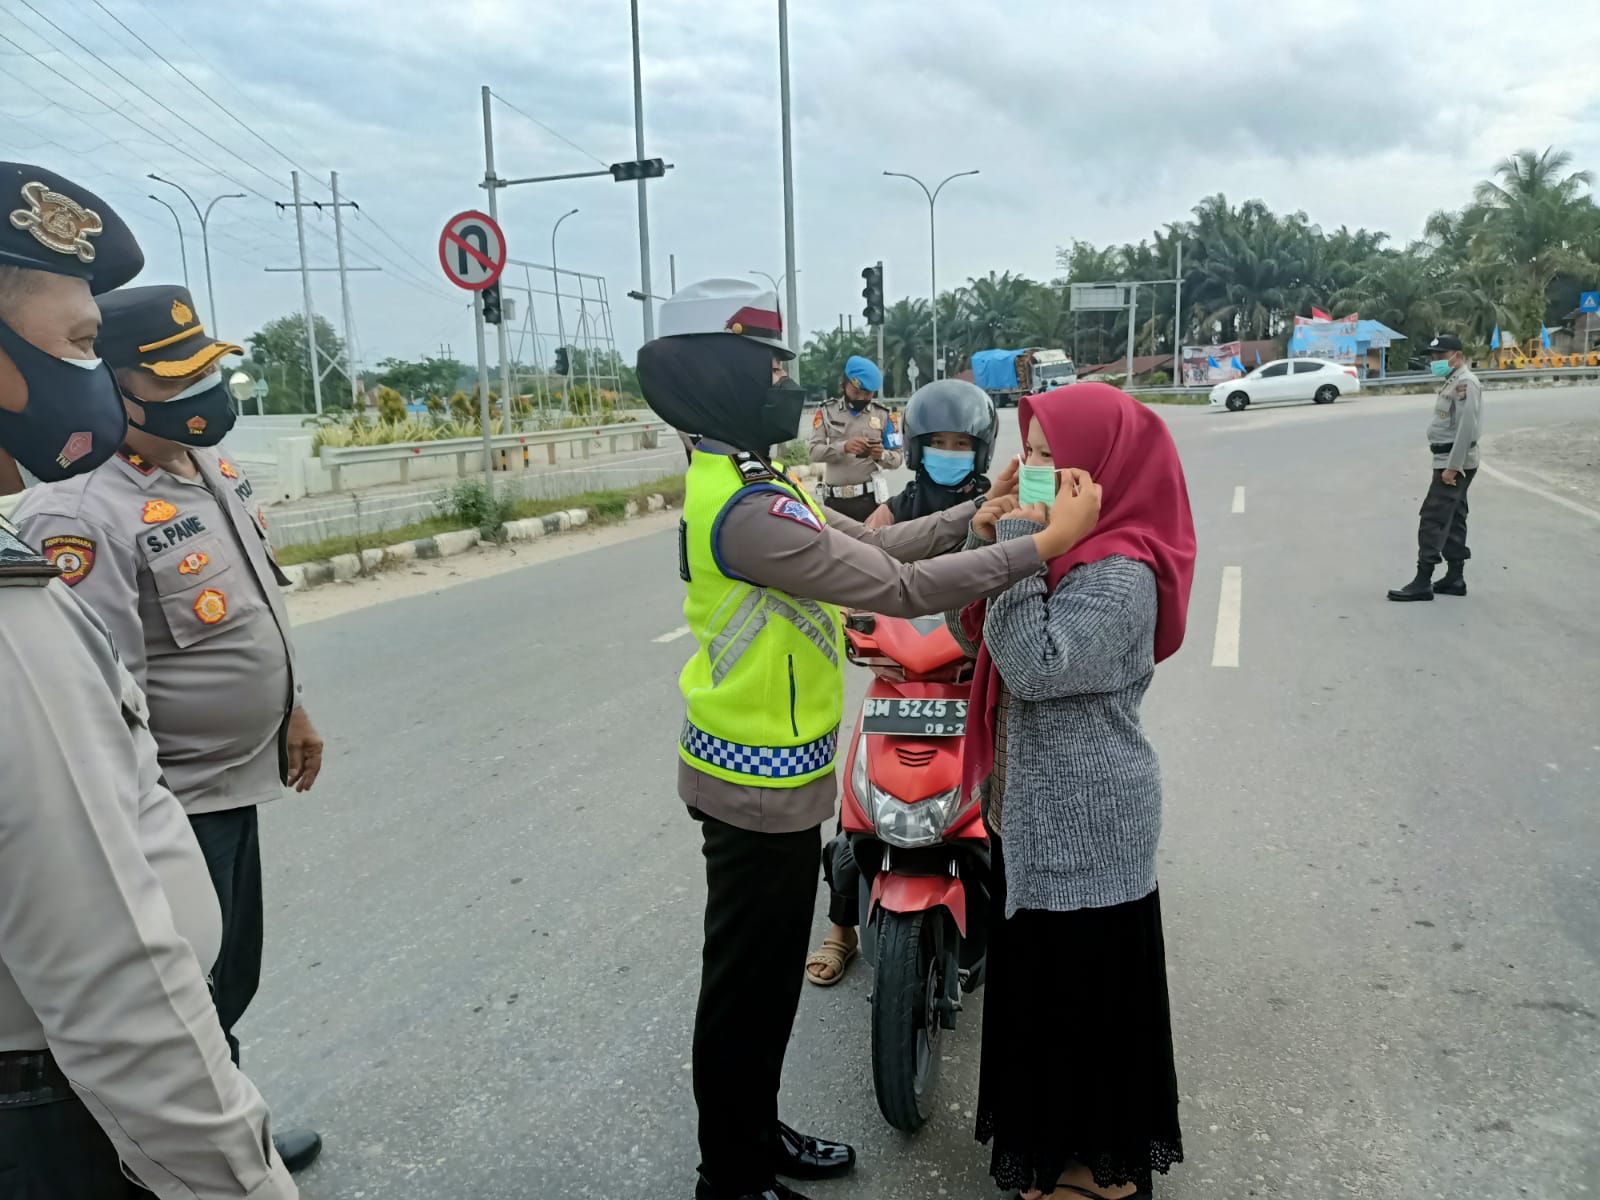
(804, 1157)
(298, 1148)
(1420, 588)
(704, 1191)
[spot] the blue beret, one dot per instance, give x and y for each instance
(864, 373)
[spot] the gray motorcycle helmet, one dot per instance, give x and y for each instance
(951, 406)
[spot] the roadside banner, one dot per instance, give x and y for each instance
(1204, 365)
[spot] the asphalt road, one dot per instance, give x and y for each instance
(1378, 867)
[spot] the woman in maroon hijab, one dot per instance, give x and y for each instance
(1077, 1091)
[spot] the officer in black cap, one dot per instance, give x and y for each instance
(115, 1080)
(1453, 441)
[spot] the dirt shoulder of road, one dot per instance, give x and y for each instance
(433, 575)
(1563, 458)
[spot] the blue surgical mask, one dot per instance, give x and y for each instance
(1036, 485)
(948, 467)
(1440, 367)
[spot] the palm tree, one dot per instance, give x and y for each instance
(907, 338)
(1047, 318)
(996, 307)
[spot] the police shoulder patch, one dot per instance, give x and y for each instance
(791, 509)
(72, 555)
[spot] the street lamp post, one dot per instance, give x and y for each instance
(555, 275)
(183, 251)
(205, 241)
(777, 284)
(933, 256)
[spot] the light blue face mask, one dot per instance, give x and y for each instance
(1440, 367)
(948, 467)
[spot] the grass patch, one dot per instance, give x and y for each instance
(604, 508)
(1175, 398)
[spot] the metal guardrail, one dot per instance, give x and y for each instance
(644, 434)
(1418, 378)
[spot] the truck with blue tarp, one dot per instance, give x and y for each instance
(1008, 375)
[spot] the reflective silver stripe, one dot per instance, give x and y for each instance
(729, 646)
(782, 607)
(815, 611)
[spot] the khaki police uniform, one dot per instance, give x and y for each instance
(852, 482)
(106, 913)
(1453, 441)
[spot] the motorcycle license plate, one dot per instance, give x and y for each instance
(915, 718)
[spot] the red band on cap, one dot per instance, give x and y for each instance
(759, 322)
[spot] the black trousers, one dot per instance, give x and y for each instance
(1442, 532)
(843, 874)
(761, 889)
(56, 1151)
(857, 508)
(231, 843)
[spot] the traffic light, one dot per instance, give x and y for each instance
(873, 294)
(562, 366)
(644, 168)
(491, 304)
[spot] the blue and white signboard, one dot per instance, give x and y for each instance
(1589, 302)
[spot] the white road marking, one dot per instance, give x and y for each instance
(1225, 651)
(672, 635)
(1581, 510)
(1238, 499)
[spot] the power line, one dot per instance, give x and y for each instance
(546, 128)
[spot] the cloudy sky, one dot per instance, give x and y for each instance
(1087, 118)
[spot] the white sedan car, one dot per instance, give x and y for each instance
(1313, 379)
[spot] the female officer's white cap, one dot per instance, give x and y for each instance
(733, 306)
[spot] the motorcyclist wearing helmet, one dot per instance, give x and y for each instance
(950, 429)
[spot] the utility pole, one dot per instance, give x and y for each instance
(672, 273)
(1133, 310)
(1177, 320)
(791, 321)
(344, 297)
(644, 209)
(305, 287)
(506, 398)
(880, 324)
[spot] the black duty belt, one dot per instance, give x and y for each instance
(1446, 447)
(30, 1077)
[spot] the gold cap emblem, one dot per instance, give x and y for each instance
(181, 313)
(58, 222)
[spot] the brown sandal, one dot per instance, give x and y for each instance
(835, 955)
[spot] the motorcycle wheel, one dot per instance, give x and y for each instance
(905, 1018)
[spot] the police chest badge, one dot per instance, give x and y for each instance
(194, 563)
(211, 606)
(229, 471)
(795, 510)
(157, 511)
(73, 556)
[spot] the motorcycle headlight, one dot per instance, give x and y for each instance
(920, 823)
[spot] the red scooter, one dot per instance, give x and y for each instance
(922, 846)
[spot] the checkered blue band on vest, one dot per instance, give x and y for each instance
(761, 762)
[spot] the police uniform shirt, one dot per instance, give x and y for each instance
(181, 571)
(834, 425)
(899, 570)
(1457, 421)
(108, 908)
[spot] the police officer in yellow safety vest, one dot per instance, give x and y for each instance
(854, 438)
(766, 571)
(113, 1068)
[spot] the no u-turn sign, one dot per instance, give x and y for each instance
(472, 250)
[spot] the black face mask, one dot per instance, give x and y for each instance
(73, 419)
(785, 405)
(200, 416)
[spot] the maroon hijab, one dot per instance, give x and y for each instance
(1144, 515)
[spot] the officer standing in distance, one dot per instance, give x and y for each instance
(766, 569)
(168, 544)
(1453, 440)
(113, 1066)
(848, 436)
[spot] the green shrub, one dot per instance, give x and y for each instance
(476, 505)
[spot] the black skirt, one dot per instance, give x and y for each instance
(1077, 1045)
